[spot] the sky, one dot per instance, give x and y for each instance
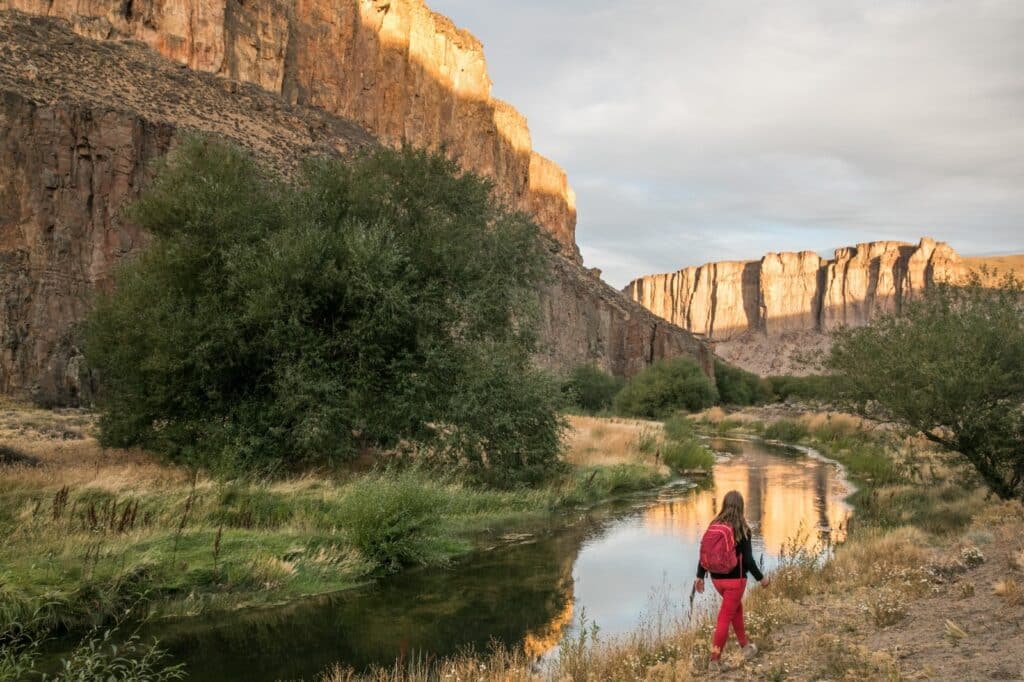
(703, 130)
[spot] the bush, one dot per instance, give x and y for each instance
(599, 483)
(679, 428)
(665, 387)
(815, 387)
(786, 430)
(275, 324)
(393, 519)
(951, 367)
(591, 389)
(739, 387)
(687, 454)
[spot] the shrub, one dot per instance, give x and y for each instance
(739, 387)
(594, 484)
(647, 441)
(665, 387)
(786, 430)
(951, 366)
(591, 389)
(274, 324)
(679, 428)
(814, 387)
(687, 454)
(393, 519)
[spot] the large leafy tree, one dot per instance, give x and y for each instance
(273, 324)
(952, 367)
(665, 387)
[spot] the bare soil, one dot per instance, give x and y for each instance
(966, 624)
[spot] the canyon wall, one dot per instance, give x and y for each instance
(791, 294)
(81, 122)
(396, 68)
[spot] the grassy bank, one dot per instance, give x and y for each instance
(95, 535)
(929, 567)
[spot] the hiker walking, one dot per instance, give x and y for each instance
(726, 554)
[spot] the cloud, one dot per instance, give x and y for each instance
(720, 129)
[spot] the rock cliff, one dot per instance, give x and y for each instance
(794, 296)
(81, 121)
(396, 68)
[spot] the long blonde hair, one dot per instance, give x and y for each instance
(732, 515)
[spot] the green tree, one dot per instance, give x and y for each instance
(590, 388)
(951, 367)
(739, 387)
(665, 387)
(274, 324)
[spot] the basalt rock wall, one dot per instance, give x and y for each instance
(787, 293)
(81, 122)
(396, 68)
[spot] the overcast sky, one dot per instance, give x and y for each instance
(699, 130)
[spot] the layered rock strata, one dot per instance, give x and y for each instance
(396, 68)
(787, 293)
(80, 123)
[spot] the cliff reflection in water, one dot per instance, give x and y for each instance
(788, 498)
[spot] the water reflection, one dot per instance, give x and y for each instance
(791, 498)
(616, 563)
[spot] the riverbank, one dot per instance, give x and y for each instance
(94, 535)
(928, 584)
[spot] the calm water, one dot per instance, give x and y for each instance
(618, 563)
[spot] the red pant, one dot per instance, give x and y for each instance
(731, 613)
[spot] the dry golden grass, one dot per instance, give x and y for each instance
(1010, 590)
(999, 264)
(64, 445)
(593, 441)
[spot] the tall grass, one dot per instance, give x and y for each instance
(787, 430)
(687, 455)
(395, 520)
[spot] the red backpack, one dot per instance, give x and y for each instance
(718, 549)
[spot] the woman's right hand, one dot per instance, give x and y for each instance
(699, 585)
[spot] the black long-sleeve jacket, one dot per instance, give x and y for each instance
(745, 565)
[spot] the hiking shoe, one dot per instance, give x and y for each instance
(714, 667)
(749, 651)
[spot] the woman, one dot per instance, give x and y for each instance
(731, 585)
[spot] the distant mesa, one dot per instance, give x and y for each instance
(762, 314)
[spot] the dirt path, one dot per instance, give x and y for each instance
(965, 621)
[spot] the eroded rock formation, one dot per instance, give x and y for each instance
(786, 294)
(80, 122)
(399, 70)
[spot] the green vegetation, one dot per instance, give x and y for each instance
(593, 484)
(814, 387)
(910, 501)
(786, 430)
(683, 450)
(666, 387)
(591, 389)
(395, 520)
(687, 455)
(100, 656)
(739, 387)
(679, 427)
(79, 556)
(272, 325)
(951, 367)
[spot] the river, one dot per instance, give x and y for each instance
(620, 563)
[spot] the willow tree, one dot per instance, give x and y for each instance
(274, 324)
(951, 366)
